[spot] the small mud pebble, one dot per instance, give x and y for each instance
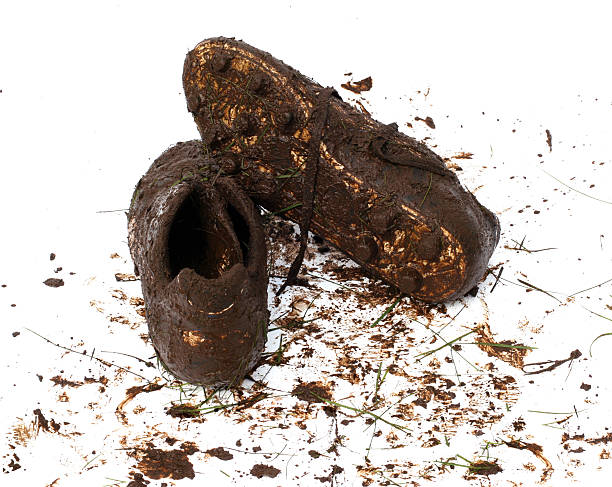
(54, 282)
(428, 121)
(220, 453)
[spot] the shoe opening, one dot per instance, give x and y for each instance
(196, 241)
(242, 232)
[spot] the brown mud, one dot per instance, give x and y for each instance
(427, 121)
(260, 470)
(198, 246)
(220, 453)
(173, 464)
(47, 425)
(130, 394)
(358, 86)
(54, 282)
(380, 196)
(312, 392)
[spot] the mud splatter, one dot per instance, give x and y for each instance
(358, 86)
(503, 349)
(54, 282)
(427, 121)
(484, 467)
(538, 451)
(220, 453)
(122, 277)
(58, 380)
(260, 470)
(173, 464)
(312, 392)
(462, 155)
(185, 410)
(130, 394)
(50, 426)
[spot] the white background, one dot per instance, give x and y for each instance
(91, 94)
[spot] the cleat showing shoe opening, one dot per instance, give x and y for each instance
(198, 241)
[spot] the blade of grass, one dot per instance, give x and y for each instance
(600, 336)
(577, 191)
(588, 289)
(290, 207)
(447, 344)
(501, 345)
(362, 411)
(386, 312)
(539, 289)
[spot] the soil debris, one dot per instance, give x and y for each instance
(54, 282)
(537, 450)
(428, 121)
(554, 363)
(330, 477)
(50, 426)
(220, 453)
(122, 277)
(130, 394)
(173, 464)
(484, 467)
(549, 140)
(58, 380)
(184, 410)
(604, 439)
(139, 480)
(312, 392)
(51, 256)
(363, 108)
(503, 350)
(358, 86)
(462, 155)
(260, 470)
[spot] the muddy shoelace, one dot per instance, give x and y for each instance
(321, 112)
(378, 146)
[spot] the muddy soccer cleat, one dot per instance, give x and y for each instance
(198, 245)
(377, 194)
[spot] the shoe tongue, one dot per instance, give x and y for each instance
(195, 293)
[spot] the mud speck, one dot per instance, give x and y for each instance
(358, 86)
(54, 282)
(260, 470)
(220, 453)
(312, 392)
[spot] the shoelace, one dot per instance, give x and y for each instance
(321, 112)
(378, 146)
